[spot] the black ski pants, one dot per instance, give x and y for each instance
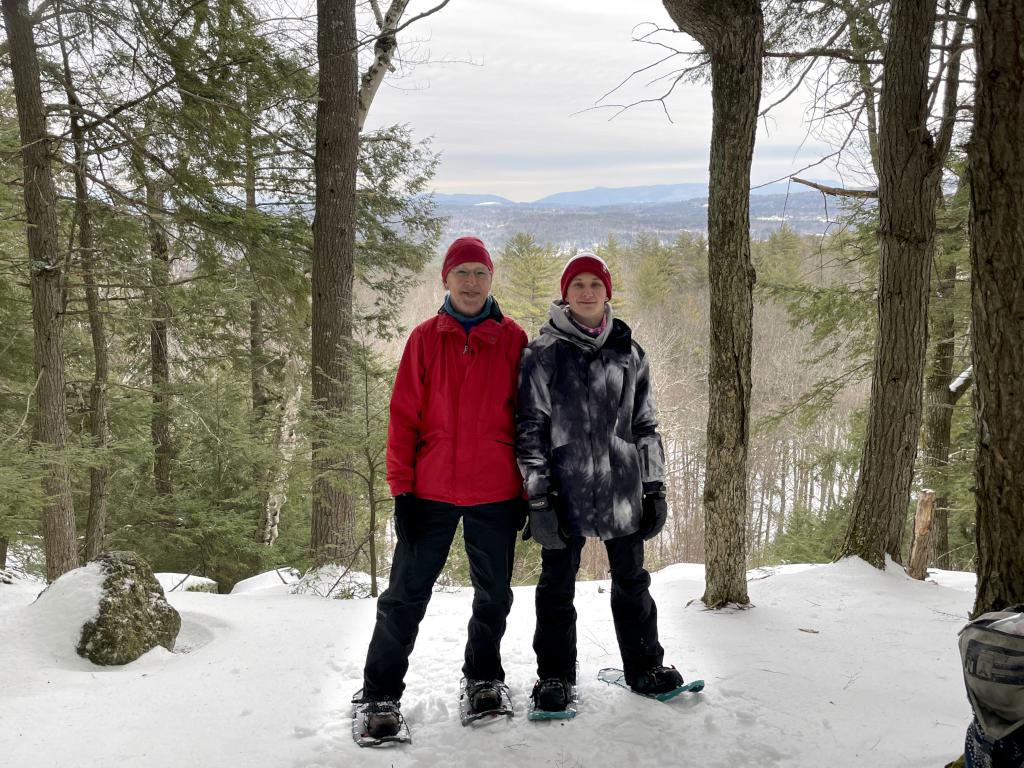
(425, 536)
(633, 610)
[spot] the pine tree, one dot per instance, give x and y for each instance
(526, 281)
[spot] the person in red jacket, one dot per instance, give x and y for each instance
(451, 456)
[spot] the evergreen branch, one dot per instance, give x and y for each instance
(843, 54)
(24, 418)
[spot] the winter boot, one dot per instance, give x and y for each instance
(552, 694)
(483, 695)
(656, 680)
(382, 718)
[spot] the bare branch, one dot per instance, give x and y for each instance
(423, 15)
(837, 191)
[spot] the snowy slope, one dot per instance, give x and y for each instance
(837, 665)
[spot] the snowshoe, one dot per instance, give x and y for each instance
(656, 683)
(378, 723)
(484, 701)
(553, 699)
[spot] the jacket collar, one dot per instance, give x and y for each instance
(486, 330)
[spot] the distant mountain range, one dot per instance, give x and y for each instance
(588, 217)
(602, 196)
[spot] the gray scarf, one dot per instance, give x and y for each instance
(563, 323)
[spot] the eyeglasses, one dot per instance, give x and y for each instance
(480, 275)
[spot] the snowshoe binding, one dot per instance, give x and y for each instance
(553, 698)
(378, 722)
(484, 701)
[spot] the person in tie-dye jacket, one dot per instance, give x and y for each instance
(593, 465)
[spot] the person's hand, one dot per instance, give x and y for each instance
(543, 525)
(405, 511)
(654, 515)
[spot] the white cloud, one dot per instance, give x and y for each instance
(508, 91)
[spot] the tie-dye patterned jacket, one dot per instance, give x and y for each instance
(586, 426)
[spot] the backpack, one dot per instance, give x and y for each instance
(992, 652)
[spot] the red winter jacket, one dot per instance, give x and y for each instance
(451, 436)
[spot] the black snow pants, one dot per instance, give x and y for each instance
(633, 610)
(425, 537)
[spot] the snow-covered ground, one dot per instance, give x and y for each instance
(836, 665)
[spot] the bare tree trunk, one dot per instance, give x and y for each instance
(47, 282)
(160, 318)
(337, 150)
(286, 443)
(909, 172)
(257, 340)
(940, 396)
(732, 33)
(857, 18)
(97, 521)
(997, 301)
(383, 52)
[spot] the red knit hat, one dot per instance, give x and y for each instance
(466, 249)
(585, 261)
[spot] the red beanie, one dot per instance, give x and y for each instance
(585, 261)
(466, 249)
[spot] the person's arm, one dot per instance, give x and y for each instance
(406, 413)
(533, 424)
(645, 428)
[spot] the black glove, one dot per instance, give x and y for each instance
(543, 525)
(654, 515)
(405, 517)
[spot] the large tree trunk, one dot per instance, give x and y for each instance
(997, 300)
(732, 33)
(47, 281)
(908, 189)
(334, 224)
(97, 521)
(160, 320)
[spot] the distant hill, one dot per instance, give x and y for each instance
(588, 226)
(600, 196)
(472, 200)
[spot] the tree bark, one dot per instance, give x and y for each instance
(909, 173)
(997, 301)
(732, 33)
(97, 521)
(919, 549)
(160, 319)
(940, 396)
(334, 223)
(286, 444)
(47, 283)
(257, 338)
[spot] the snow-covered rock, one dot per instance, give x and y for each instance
(132, 615)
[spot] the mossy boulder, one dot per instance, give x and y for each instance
(134, 616)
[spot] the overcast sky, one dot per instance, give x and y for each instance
(506, 89)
